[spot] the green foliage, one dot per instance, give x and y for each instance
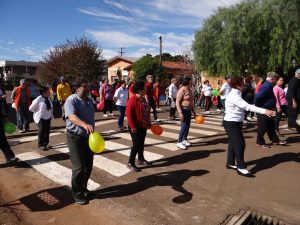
(257, 35)
(78, 58)
(147, 65)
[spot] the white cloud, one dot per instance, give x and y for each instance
(120, 39)
(99, 13)
(10, 43)
(108, 53)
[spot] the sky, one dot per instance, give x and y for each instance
(30, 28)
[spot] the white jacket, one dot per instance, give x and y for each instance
(39, 109)
(235, 107)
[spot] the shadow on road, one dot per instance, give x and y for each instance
(274, 160)
(44, 200)
(173, 179)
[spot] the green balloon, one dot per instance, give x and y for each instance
(215, 92)
(9, 128)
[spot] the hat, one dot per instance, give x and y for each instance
(22, 81)
(297, 71)
(62, 78)
(227, 77)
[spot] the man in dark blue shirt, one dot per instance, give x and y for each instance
(265, 98)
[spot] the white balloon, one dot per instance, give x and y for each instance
(13, 105)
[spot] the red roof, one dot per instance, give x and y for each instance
(176, 65)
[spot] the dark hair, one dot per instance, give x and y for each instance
(237, 81)
(139, 86)
(206, 81)
(186, 81)
(44, 89)
(78, 82)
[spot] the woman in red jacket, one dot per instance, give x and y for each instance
(138, 116)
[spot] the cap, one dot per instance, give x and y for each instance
(22, 81)
(297, 71)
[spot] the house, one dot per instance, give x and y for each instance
(118, 63)
(23, 68)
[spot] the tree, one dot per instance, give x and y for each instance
(257, 35)
(72, 59)
(147, 65)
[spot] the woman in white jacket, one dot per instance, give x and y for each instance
(42, 109)
(233, 123)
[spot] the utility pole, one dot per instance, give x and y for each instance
(121, 51)
(160, 48)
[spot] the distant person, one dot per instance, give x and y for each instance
(248, 96)
(54, 90)
(21, 97)
(42, 109)
(121, 98)
(63, 92)
(293, 98)
(265, 98)
(150, 96)
(4, 145)
(218, 88)
(107, 94)
(80, 122)
(207, 93)
(156, 87)
(138, 116)
(172, 96)
(185, 108)
(34, 90)
(233, 123)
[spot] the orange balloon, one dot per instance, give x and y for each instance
(199, 119)
(156, 129)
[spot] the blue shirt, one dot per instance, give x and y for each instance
(83, 109)
(265, 98)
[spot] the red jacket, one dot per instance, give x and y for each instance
(149, 89)
(138, 113)
(18, 95)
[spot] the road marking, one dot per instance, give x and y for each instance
(110, 166)
(193, 130)
(125, 150)
(204, 125)
(14, 141)
(52, 170)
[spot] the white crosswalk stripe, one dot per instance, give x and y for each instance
(52, 170)
(193, 130)
(110, 166)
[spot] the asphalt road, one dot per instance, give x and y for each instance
(182, 187)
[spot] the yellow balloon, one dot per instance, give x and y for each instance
(96, 142)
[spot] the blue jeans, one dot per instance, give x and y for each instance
(185, 125)
(121, 110)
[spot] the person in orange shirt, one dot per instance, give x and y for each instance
(21, 97)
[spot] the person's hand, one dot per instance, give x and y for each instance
(181, 117)
(133, 130)
(270, 113)
(294, 105)
(89, 128)
(279, 110)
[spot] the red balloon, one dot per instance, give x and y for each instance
(199, 119)
(100, 105)
(95, 93)
(156, 129)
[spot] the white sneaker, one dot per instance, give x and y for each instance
(157, 120)
(105, 115)
(186, 144)
(111, 114)
(180, 145)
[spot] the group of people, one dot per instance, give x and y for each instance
(136, 102)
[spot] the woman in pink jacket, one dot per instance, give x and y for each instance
(281, 103)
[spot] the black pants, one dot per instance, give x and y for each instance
(265, 124)
(207, 103)
(138, 142)
(153, 107)
(277, 118)
(108, 106)
(23, 117)
(292, 117)
(236, 144)
(82, 162)
(173, 110)
(44, 131)
(4, 146)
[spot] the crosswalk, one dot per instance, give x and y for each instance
(117, 146)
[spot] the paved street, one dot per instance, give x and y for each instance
(182, 187)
